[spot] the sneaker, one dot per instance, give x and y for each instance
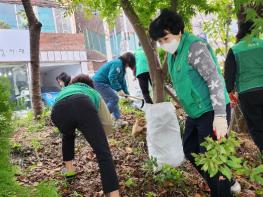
(120, 123)
(68, 174)
(236, 188)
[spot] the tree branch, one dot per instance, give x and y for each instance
(173, 5)
(32, 19)
(144, 39)
(149, 49)
(171, 94)
(165, 67)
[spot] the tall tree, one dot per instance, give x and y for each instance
(34, 32)
(140, 13)
(218, 26)
(250, 10)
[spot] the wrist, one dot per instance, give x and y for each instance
(220, 115)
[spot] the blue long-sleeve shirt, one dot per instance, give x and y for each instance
(113, 74)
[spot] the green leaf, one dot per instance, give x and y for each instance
(235, 159)
(205, 166)
(213, 171)
(233, 165)
(222, 150)
(258, 169)
(223, 158)
(256, 174)
(259, 180)
(226, 172)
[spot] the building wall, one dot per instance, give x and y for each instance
(62, 42)
(47, 3)
(48, 13)
(54, 38)
(93, 30)
(93, 23)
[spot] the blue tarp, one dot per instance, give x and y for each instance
(49, 98)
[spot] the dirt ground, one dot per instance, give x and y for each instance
(37, 156)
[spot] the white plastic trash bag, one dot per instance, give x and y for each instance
(163, 134)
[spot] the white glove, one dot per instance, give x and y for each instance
(220, 127)
(121, 93)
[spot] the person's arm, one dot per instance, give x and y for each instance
(124, 87)
(113, 76)
(230, 71)
(200, 58)
(105, 117)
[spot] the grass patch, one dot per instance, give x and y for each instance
(9, 187)
(127, 108)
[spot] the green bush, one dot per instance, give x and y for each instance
(166, 176)
(8, 185)
(33, 125)
(5, 105)
(47, 189)
(220, 156)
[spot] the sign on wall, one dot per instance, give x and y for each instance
(14, 45)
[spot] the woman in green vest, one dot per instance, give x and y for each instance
(200, 88)
(142, 73)
(80, 106)
(244, 75)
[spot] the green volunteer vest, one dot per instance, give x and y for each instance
(249, 60)
(141, 62)
(190, 87)
(80, 88)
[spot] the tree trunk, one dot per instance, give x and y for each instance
(241, 17)
(150, 51)
(34, 32)
(173, 5)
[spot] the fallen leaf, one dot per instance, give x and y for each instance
(128, 150)
(198, 195)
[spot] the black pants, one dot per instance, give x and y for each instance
(252, 108)
(144, 80)
(77, 111)
(195, 131)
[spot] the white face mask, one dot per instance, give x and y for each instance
(170, 47)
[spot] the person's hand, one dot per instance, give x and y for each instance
(220, 127)
(121, 93)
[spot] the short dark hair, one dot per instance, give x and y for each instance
(167, 21)
(128, 58)
(82, 78)
(64, 77)
(245, 28)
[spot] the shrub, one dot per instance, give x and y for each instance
(220, 156)
(5, 105)
(166, 176)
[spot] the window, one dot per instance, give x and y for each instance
(63, 22)
(45, 16)
(7, 15)
(133, 41)
(95, 41)
(21, 17)
(115, 40)
(18, 77)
